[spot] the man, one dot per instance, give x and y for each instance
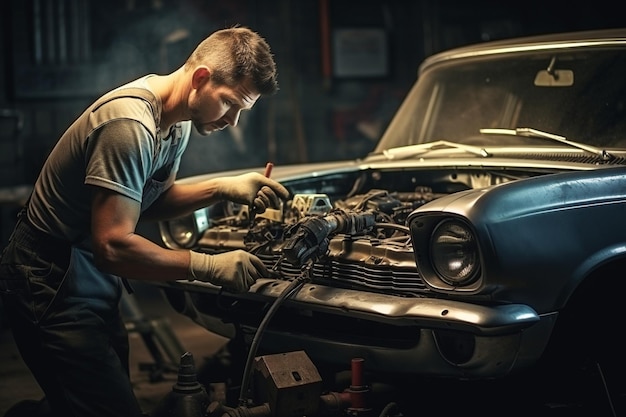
(74, 246)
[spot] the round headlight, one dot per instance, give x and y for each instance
(183, 231)
(454, 253)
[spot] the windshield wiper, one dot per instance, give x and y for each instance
(410, 151)
(529, 132)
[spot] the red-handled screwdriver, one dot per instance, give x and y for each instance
(267, 173)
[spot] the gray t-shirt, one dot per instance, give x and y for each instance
(114, 144)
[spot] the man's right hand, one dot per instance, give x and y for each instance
(236, 270)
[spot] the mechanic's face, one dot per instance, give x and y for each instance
(213, 107)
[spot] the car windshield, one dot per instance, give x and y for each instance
(577, 95)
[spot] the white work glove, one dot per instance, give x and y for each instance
(236, 270)
(253, 189)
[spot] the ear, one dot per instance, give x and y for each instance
(200, 75)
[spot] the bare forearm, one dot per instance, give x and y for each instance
(136, 257)
(182, 199)
(251, 188)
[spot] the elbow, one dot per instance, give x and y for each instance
(105, 260)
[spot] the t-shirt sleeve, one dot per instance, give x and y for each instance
(119, 157)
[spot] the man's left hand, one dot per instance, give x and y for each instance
(253, 189)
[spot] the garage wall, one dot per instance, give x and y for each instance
(344, 64)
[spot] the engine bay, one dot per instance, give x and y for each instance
(347, 229)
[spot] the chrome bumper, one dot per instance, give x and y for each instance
(502, 338)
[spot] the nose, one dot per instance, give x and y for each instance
(232, 117)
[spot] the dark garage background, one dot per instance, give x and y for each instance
(59, 55)
(344, 66)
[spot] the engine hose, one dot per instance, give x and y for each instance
(293, 288)
(385, 411)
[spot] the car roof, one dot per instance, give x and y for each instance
(529, 43)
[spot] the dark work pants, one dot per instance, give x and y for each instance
(67, 325)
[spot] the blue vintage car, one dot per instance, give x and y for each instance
(480, 246)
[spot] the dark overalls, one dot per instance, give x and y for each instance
(66, 321)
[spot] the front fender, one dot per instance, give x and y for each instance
(538, 237)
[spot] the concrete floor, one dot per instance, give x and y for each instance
(16, 382)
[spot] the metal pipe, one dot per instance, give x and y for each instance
(325, 43)
(50, 48)
(37, 46)
(62, 32)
